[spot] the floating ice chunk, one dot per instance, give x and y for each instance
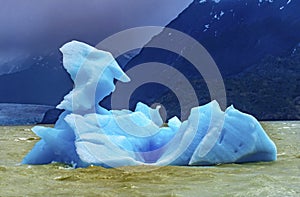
(87, 134)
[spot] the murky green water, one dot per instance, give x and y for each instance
(280, 178)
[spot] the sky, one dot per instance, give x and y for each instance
(28, 26)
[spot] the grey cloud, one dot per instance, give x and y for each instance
(36, 25)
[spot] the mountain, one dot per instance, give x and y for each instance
(243, 37)
(43, 81)
(237, 34)
(269, 90)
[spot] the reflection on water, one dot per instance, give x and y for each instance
(280, 178)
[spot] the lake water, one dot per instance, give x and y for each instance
(279, 178)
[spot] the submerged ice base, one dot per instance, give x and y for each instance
(88, 134)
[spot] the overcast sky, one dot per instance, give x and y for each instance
(30, 25)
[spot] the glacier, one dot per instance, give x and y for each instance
(87, 134)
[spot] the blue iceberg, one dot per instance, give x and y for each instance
(88, 134)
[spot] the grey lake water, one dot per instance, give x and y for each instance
(279, 178)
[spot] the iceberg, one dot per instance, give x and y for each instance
(87, 134)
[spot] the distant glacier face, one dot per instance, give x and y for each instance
(22, 114)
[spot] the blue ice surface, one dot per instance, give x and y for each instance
(88, 134)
